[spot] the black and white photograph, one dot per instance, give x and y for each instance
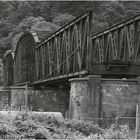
(69, 70)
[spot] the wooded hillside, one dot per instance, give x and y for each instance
(19, 16)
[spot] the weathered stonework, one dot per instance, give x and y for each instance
(78, 98)
(94, 98)
(4, 99)
(119, 97)
(84, 97)
(19, 97)
(49, 100)
(90, 98)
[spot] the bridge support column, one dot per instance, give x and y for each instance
(137, 130)
(85, 101)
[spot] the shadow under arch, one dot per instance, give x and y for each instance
(24, 59)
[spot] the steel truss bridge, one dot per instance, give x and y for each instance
(75, 51)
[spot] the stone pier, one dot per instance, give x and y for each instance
(94, 97)
(85, 97)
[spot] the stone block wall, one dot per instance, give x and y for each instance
(85, 98)
(119, 99)
(49, 100)
(92, 98)
(79, 99)
(18, 98)
(4, 99)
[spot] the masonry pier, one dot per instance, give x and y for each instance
(93, 97)
(85, 97)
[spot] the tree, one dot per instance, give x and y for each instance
(62, 19)
(18, 16)
(23, 26)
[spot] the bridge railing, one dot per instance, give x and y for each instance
(66, 51)
(119, 43)
(73, 50)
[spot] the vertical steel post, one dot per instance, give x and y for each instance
(26, 98)
(137, 121)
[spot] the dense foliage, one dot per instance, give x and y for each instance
(38, 126)
(19, 16)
